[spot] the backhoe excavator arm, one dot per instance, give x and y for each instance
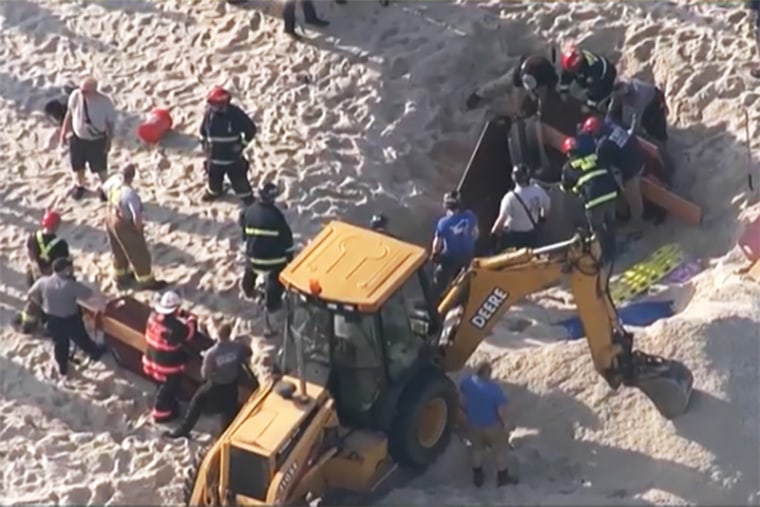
(491, 285)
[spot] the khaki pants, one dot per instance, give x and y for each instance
(632, 193)
(494, 437)
(130, 252)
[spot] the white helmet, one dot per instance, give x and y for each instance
(168, 303)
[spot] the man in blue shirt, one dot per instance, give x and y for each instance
(454, 241)
(485, 406)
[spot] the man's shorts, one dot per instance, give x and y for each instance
(494, 437)
(90, 153)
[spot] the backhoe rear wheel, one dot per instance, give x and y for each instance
(424, 420)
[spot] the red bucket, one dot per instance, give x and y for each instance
(158, 123)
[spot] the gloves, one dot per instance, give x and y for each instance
(473, 101)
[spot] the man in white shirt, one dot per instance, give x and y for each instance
(124, 226)
(90, 118)
(521, 212)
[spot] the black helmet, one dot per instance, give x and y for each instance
(378, 222)
(521, 174)
(268, 192)
(452, 200)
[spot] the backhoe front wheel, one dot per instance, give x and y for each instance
(424, 420)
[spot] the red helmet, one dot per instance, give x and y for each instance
(571, 59)
(569, 145)
(218, 95)
(50, 220)
(592, 125)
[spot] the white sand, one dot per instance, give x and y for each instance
(369, 117)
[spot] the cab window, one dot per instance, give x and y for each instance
(402, 340)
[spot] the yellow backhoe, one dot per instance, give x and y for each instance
(362, 389)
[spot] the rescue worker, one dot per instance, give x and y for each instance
(221, 369)
(619, 150)
(485, 405)
(167, 331)
(521, 213)
(642, 106)
(268, 245)
(125, 228)
(594, 74)
(584, 176)
(533, 76)
(309, 14)
(225, 132)
(57, 295)
(43, 247)
(453, 242)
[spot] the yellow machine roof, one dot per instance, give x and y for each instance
(352, 265)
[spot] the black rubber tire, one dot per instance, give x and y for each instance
(404, 444)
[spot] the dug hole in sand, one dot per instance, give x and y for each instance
(369, 116)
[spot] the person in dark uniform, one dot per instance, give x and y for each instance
(225, 132)
(43, 247)
(58, 295)
(594, 74)
(268, 245)
(584, 176)
(535, 74)
(309, 14)
(222, 365)
(168, 329)
(453, 247)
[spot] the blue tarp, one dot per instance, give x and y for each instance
(634, 314)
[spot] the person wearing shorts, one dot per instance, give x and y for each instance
(485, 407)
(90, 120)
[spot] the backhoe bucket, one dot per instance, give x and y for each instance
(668, 384)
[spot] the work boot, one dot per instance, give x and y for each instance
(478, 477)
(176, 433)
(209, 197)
(77, 192)
(28, 327)
(153, 285)
(318, 22)
(503, 478)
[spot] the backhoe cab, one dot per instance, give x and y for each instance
(361, 385)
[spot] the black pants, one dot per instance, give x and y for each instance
(601, 220)
(274, 288)
(166, 404)
(601, 91)
(85, 153)
(289, 13)
(654, 119)
(236, 172)
(63, 332)
(518, 239)
(212, 398)
(444, 271)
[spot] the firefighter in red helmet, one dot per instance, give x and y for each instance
(225, 132)
(593, 73)
(168, 330)
(43, 247)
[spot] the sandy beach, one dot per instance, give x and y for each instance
(368, 115)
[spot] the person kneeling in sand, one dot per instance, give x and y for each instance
(487, 426)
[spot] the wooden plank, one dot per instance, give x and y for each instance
(674, 204)
(754, 271)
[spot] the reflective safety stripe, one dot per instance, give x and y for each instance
(222, 162)
(268, 262)
(223, 139)
(585, 163)
(601, 200)
(120, 272)
(45, 249)
(160, 414)
(161, 345)
(152, 368)
(27, 319)
(589, 57)
(255, 231)
(145, 278)
(589, 176)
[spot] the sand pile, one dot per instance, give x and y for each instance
(369, 116)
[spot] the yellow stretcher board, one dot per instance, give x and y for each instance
(638, 278)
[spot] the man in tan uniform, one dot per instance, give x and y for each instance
(124, 225)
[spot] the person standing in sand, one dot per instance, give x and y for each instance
(90, 119)
(309, 14)
(124, 226)
(487, 426)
